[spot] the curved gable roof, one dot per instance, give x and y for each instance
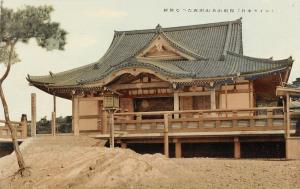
(217, 49)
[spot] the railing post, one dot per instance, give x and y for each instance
(218, 120)
(252, 121)
(201, 123)
(234, 118)
(166, 133)
(53, 124)
(269, 117)
(138, 124)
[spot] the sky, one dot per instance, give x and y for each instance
(274, 32)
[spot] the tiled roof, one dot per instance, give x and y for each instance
(216, 49)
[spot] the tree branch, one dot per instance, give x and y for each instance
(11, 51)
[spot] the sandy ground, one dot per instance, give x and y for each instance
(80, 162)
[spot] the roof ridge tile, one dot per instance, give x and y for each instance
(178, 28)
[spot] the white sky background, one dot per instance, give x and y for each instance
(91, 23)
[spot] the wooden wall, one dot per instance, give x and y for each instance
(90, 114)
(236, 96)
(292, 148)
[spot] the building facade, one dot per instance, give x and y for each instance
(192, 81)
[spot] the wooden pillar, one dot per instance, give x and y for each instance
(288, 119)
(213, 99)
(226, 98)
(54, 110)
(123, 145)
(178, 152)
(176, 104)
(237, 148)
(251, 104)
(53, 124)
(75, 115)
(112, 131)
(33, 114)
(166, 133)
(54, 103)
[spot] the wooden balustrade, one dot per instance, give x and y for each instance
(21, 129)
(251, 119)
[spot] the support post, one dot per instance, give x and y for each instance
(166, 133)
(54, 103)
(176, 104)
(237, 148)
(53, 124)
(75, 115)
(33, 114)
(288, 123)
(288, 119)
(54, 110)
(112, 130)
(178, 152)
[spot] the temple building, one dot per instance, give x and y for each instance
(178, 86)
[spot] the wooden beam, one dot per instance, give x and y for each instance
(75, 115)
(197, 111)
(33, 114)
(237, 148)
(281, 91)
(141, 85)
(207, 93)
(166, 133)
(89, 98)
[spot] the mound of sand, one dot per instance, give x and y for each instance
(82, 162)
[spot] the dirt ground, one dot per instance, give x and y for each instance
(81, 162)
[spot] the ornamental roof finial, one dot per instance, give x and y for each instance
(158, 28)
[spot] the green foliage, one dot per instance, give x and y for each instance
(4, 53)
(27, 23)
(64, 125)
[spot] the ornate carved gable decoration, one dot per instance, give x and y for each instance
(160, 49)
